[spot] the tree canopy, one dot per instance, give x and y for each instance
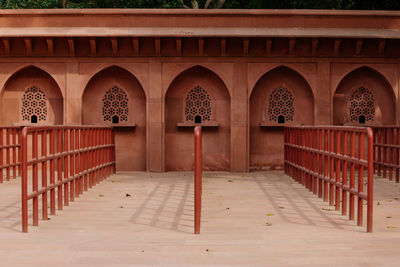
(236, 4)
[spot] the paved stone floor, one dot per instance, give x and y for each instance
(249, 219)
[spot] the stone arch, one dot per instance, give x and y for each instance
(266, 130)
(16, 88)
(210, 68)
(179, 132)
(379, 90)
(106, 66)
(130, 134)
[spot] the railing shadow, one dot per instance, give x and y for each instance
(168, 206)
(295, 204)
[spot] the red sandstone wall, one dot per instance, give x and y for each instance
(130, 141)
(266, 142)
(14, 89)
(179, 140)
(379, 87)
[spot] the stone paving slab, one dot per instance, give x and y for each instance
(248, 219)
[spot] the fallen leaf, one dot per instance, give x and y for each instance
(230, 181)
(269, 214)
(388, 200)
(128, 195)
(207, 250)
(227, 208)
(121, 207)
(391, 227)
(268, 224)
(281, 207)
(378, 203)
(101, 195)
(327, 209)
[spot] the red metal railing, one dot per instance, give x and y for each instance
(386, 151)
(69, 160)
(197, 178)
(10, 152)
(322, 158)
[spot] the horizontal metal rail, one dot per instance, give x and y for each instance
(386, 151)
(324, 160)
(70, 160)
(10, 152)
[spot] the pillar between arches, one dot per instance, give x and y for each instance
(155, 120)
(239, 115)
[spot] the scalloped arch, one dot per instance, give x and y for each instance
(293, 69)
(185, 69)
(19, 69)
(109, 66)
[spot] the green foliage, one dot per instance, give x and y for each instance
(245, 4)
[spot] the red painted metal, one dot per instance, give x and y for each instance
(322, 154)
(10, 152)
(197, 178)
(70, 148)
(387, 151)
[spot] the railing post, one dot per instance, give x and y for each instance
(197, 178)
(1, 155)
(370, 189)
(24, 181)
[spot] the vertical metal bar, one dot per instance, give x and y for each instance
(310, 160)
(352, 175)
(104, 153)
(35, 178)
(315, 169)
(86, 160)
(360, 179)
(337, 189)
(1, 155)
(375, 151)
(390, 153)
(303, 158)
(24, 180)
(72, 164)
(197, 178)
(321, 160)
(8, 154)
(397, 151)
(284, 150)
(370, 188)
(344, 174)
(331, 168)
(52, 173)
(44, 175)
(91, 158)
(379, 151)
(77, 161)
(65, 169)
(384, 152)
(113, 151)
(19, 151)
(326, 165)
(59, 168)
(14, 152)
(96, 155)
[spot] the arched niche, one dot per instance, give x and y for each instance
(364, 97)
(116, 93)
(31, 96)
(179, 128)
(280, 97)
